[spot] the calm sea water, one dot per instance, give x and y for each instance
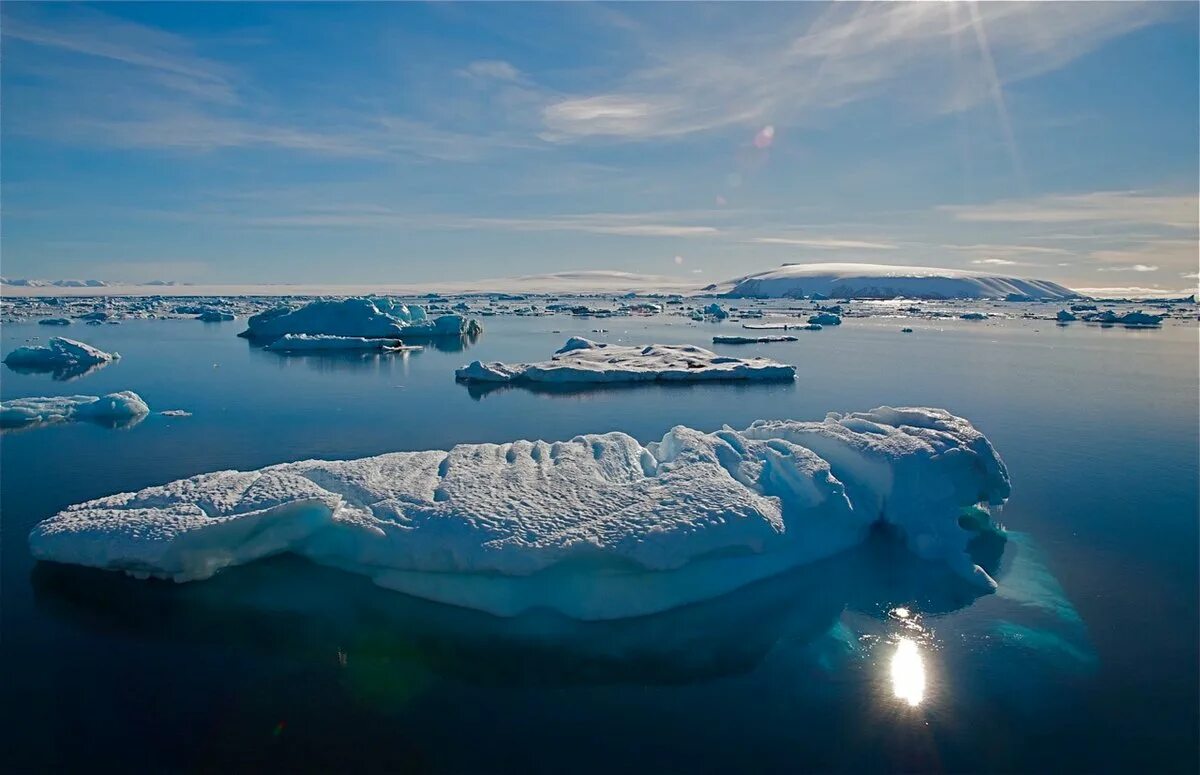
(1086, 660)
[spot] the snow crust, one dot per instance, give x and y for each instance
(883, 281)
(582, 360)
(366, 317)
(120, 408)
(598, 527)
(59, 353)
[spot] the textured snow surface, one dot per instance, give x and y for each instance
(582, 360)
(596, 527)
(882, 281)
(115, 407)
(58, 353)
(378, 318)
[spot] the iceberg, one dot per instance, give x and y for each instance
(308, 342)
(752, 339)
(55, 322)
(215, 316)
(372, 318)
(598, 527)
(121, 409)
(66, 358)
(582, 360)
(825, 319)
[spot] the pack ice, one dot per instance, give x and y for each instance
(369, 317)
(120, 408)
(598, 527)
(58, 353)
(582, 360)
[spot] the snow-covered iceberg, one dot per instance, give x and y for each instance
(311, 342)
(117, 409)
(372, 318)
(598, 527)
(582, 360)
(66, 358)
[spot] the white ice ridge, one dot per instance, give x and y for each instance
(376, 318)
(117, 408)
(59, 353)
(582, 360)
(597, 527)
(305, 342)
(734, 339)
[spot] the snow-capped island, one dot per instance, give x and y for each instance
(598, 527)
(879, 281)
(582, 360)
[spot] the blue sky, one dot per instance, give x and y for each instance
(410, 143)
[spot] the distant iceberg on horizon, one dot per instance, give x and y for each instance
(598, 527)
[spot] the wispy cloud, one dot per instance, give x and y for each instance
(996, 262)
(825, 243)
(746, 71)
(1129, 268)
(1175, 211)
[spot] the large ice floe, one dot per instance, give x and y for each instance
(371, 318)
(65, 358)
(115, 409)
(598, 527)
(582, 360)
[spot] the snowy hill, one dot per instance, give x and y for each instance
(883, 281)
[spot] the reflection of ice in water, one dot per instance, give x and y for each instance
(908, 672)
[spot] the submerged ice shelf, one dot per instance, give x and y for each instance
(598, 527)
(582, 360)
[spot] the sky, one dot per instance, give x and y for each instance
(408, 143)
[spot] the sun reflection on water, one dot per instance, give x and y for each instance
(908, 672)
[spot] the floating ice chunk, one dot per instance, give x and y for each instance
(304, 342)
(359, 317)
(825, 319)
(175, 413)
(1064, 316)
(715, 310)
(215, 316)
(59, 353)
(597, 527)
(119, 409)
(974, 316)
(55, 322)
(582, 360)
(751, 339)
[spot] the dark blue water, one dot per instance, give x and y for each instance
(1086, 660)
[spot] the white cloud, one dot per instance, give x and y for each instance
(826, 243)
(1128, 268)
(996, 262)
(492, 69)
(1174, 211)
(761, 65)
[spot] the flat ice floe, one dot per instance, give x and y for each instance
(582, 360)
(118, 409)
(65, 357)
(598, 527)
(372, 318)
